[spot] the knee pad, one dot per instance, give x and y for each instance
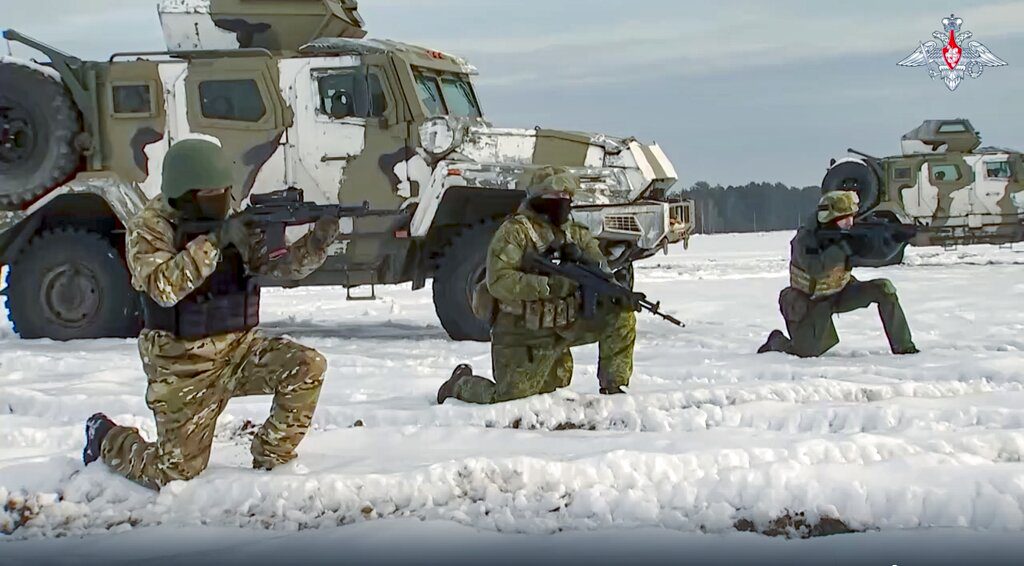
(886, 287)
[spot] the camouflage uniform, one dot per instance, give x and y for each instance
(537, 324)
(191, 381)
(821, 285)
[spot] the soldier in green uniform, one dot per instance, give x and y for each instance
(535, 321)
(200, 346)
(821, 285)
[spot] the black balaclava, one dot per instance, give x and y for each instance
(556, 210)
(200, 207)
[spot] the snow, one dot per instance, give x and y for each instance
(184, 7)
(710, 433)
(46, 71)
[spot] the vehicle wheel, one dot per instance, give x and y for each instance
(38, 127)
(460, 269)
(68, 284)
(857, 172)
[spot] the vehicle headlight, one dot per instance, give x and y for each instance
(439, 135)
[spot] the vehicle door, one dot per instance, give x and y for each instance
(946, 189)
(237, 101)
(345, 128)
(992, 199)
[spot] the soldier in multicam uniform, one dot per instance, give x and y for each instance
(535, 320)
(200, 347)
(821, 284)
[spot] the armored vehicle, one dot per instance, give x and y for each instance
(944, 184)
(297, 94)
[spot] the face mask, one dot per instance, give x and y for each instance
(556, 210)
(204, 207)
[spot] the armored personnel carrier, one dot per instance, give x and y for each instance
(301, 98)
(945, 184)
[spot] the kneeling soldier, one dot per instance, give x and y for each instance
(200, 347)
(536, 321)
(821, 285)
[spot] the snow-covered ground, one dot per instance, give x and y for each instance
(710, 436)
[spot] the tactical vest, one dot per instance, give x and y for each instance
(834, 282)
(228, 301)
(545, 313)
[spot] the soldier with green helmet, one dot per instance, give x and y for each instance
(200, 346)
(535, 320)
(822, 284)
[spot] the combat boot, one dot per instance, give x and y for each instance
(606, 387)
(777, 342)
(447, 389)
(96, 429)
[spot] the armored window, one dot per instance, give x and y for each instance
(133, 99)
(998, 170)
(351, 93)
(946, 173)
(902, 174)
(429, 92)
(953, 128)
(459, 97)
(235, 100)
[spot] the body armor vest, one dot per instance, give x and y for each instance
(228, 301)
(545, 313)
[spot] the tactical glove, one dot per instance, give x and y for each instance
(325, 232)
(232, 231)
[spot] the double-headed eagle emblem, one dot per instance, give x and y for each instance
(947, 58)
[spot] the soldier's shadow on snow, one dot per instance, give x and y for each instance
(364, 331)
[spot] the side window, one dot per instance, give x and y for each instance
(998, 170)
(953, 128)
(236, 100)
(945, 173)
(131, 99)
(902, 174)
(351, 93)
(378, 101)
(430, 95)
(337, 94)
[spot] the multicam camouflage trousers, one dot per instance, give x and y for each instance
(812, 332)
(530, 362)
(190, 383)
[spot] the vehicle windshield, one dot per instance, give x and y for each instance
(446, 94)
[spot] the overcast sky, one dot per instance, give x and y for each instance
(734, 90)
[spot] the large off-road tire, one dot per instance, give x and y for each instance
(68, 284)
(460, 268)
(38, 127)
(847, 172)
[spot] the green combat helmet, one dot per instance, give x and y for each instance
(550, 181)
(194, 165)
(837, 204)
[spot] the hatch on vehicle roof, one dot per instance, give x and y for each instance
(939, 136)
(276, 25)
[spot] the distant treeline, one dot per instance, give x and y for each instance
(754, 207)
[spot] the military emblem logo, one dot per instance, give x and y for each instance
(952, 56)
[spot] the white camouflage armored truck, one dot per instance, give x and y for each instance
(944, 184)
(300, 98)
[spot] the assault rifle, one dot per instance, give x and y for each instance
(271, 213)
(869, 238)
(594, 283)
